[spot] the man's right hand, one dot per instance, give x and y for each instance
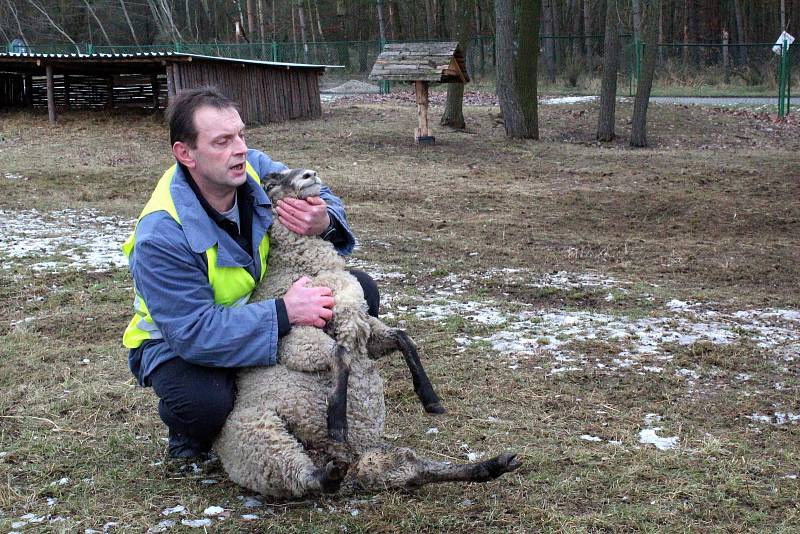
(308, 306)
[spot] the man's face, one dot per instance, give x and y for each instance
(218, 161)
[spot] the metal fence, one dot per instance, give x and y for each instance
(567, 64)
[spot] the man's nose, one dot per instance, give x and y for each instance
(240, 147)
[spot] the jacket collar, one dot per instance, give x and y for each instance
(202, 232)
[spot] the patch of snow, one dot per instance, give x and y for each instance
(251, 502)
(651, 418)
(71, 239)
(196, 523)
(649, 435)
(162, 526)
(587, 437)
(567, 100)
(213, 510)
(432, 430)
(779, 418)
(250, 517)
(687, 373)
(179, 509)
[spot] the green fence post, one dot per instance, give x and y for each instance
(274, 51)
(384, 83)
(788, 79)
(177, 47)
(89, 49)
(782, 81)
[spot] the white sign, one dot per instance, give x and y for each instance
(778, 48)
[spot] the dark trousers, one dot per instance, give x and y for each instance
(194, 401)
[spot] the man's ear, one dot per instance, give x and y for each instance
(182, 153)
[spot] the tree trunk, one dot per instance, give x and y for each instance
(453, 115)
(608, 91)
(301, 17)
(381, 27)
(430, 18)
(128, 20)
(740, 36)
(783, 15)
(549, 41)
(575, 40)
(517, 51)
(645, 82)
(99, 24)
(588, 43)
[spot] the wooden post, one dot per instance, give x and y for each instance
(422, 135)
(110, 96)
(66, 91)
(156, 90)
(51, 100)
(29, 90)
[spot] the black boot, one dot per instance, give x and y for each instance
(185, 447)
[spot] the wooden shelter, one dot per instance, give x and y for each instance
(266, 91)
(421, 64)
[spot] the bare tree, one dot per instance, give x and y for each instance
(100, 24)
(645, 82)
(453, 115)
(16, 19)
(128, 20)
(56, 26)
(302, 20)
(517, 49)
(608, 91)
(549, 44)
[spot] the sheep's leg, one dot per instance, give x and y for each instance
(258, 452)
(383, 340)
(337, 399)
(378, 469)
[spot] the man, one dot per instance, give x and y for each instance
(199, 248)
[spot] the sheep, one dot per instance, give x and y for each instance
(276, 441)
(293, 255)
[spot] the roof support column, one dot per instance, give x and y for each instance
(51, 99)
(156, 90)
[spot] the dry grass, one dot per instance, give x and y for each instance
(709, 214)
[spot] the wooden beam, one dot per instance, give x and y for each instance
(51, 100)
(156, 90)
(422, 135)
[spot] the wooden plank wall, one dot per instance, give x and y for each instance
(12, 90)
(92, 92)
(265, 94)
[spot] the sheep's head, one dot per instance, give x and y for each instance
(293, 183)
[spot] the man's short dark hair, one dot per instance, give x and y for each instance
(180, 112)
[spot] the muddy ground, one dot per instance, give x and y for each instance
(627, 320)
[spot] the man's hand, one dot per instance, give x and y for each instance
(304, 216)
(308, 306)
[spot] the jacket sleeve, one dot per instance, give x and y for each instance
(173, 281)
(264, 165)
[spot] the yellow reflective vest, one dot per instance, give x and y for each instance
(232, 286)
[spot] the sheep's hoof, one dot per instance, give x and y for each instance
(435, 407)
(338, 434)
(494, 467)
(332, 475)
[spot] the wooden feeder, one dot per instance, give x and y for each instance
(421, 64)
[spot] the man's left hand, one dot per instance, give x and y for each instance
(304, 216)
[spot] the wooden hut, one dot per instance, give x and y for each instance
(421, 64)
(266, 91)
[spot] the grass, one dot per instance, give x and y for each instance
(709, 213)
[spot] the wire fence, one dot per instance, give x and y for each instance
(567, 64)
